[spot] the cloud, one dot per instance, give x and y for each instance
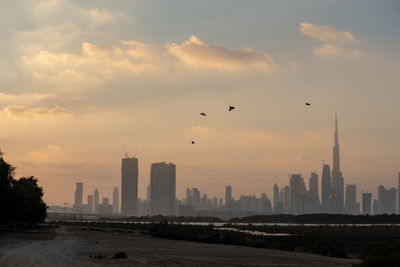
(93, 65)
(333, 40)
(103, 16)
(25, 98)
(21, 111)
(326, 34)
(196, 53)
(334, 50)
(60, 11)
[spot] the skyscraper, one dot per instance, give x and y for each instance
(96, 201)
(313, 184)
(276, 197)
(337, 177)
(78, 197)
(386, 200)
(129, 186)
(228, 197)
(196, 198)
(189, 198)
(351, 199)
(286, 199)
(325, 188)
(163, 186)
(115, 200)
(297, 194)
(366, 203)
(90, 203)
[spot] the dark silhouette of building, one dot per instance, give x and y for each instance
(115, 200)
(298, 194)
(78, 197)
(386, 200)
(90, 203)
(196, 198)
(325, 188)
(189, 196)
(162, 186)
(286, 199)
(276, 199)
(337, 198)
(228, 197)
(351, 199)
(129, 186)
(313, 183)
(366, 203)
(96, 201)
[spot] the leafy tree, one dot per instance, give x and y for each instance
(6, 177)
(21, 201)
(28, 204)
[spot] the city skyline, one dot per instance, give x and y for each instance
(81, 80)
(322, 189)
(337, 197)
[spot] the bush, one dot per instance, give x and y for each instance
(120, 255)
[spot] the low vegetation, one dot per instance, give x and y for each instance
(333, 241)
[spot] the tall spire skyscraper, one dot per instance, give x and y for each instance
(336, 154)
(337, 204)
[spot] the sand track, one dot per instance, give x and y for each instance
(73, 245)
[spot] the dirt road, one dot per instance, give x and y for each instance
(75, 246)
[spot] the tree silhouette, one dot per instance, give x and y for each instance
(20, 200)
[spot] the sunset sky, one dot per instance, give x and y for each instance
(81, 80)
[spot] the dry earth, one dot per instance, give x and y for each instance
(73, 246)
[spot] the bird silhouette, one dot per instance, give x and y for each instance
(203, 114)
(231, 108)
(308, 104)
(193, 142)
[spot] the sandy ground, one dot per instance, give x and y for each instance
(73, 245)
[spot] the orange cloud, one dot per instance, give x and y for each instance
(333, 50)
(196, 53)
(21, 111)
(326, 34)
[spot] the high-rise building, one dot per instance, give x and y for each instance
(129, 186)
(366, 203)
(297, 194)
(196, 198)
(189, 197)
(115, 200)
(313, 183)
(386, 200)
(286, 199)
(228, 197)
(90, 203)
(96, 201)
(337, 177)
(148, 192)
(78, 197)
(276, 197)
(351, 199)
(325, 188)
(163, 186)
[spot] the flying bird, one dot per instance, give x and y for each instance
(231, 108)
(308, 104)
(203, 114)
(193, 142)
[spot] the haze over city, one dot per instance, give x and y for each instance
(81, 81)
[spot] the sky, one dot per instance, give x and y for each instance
(83, 81)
